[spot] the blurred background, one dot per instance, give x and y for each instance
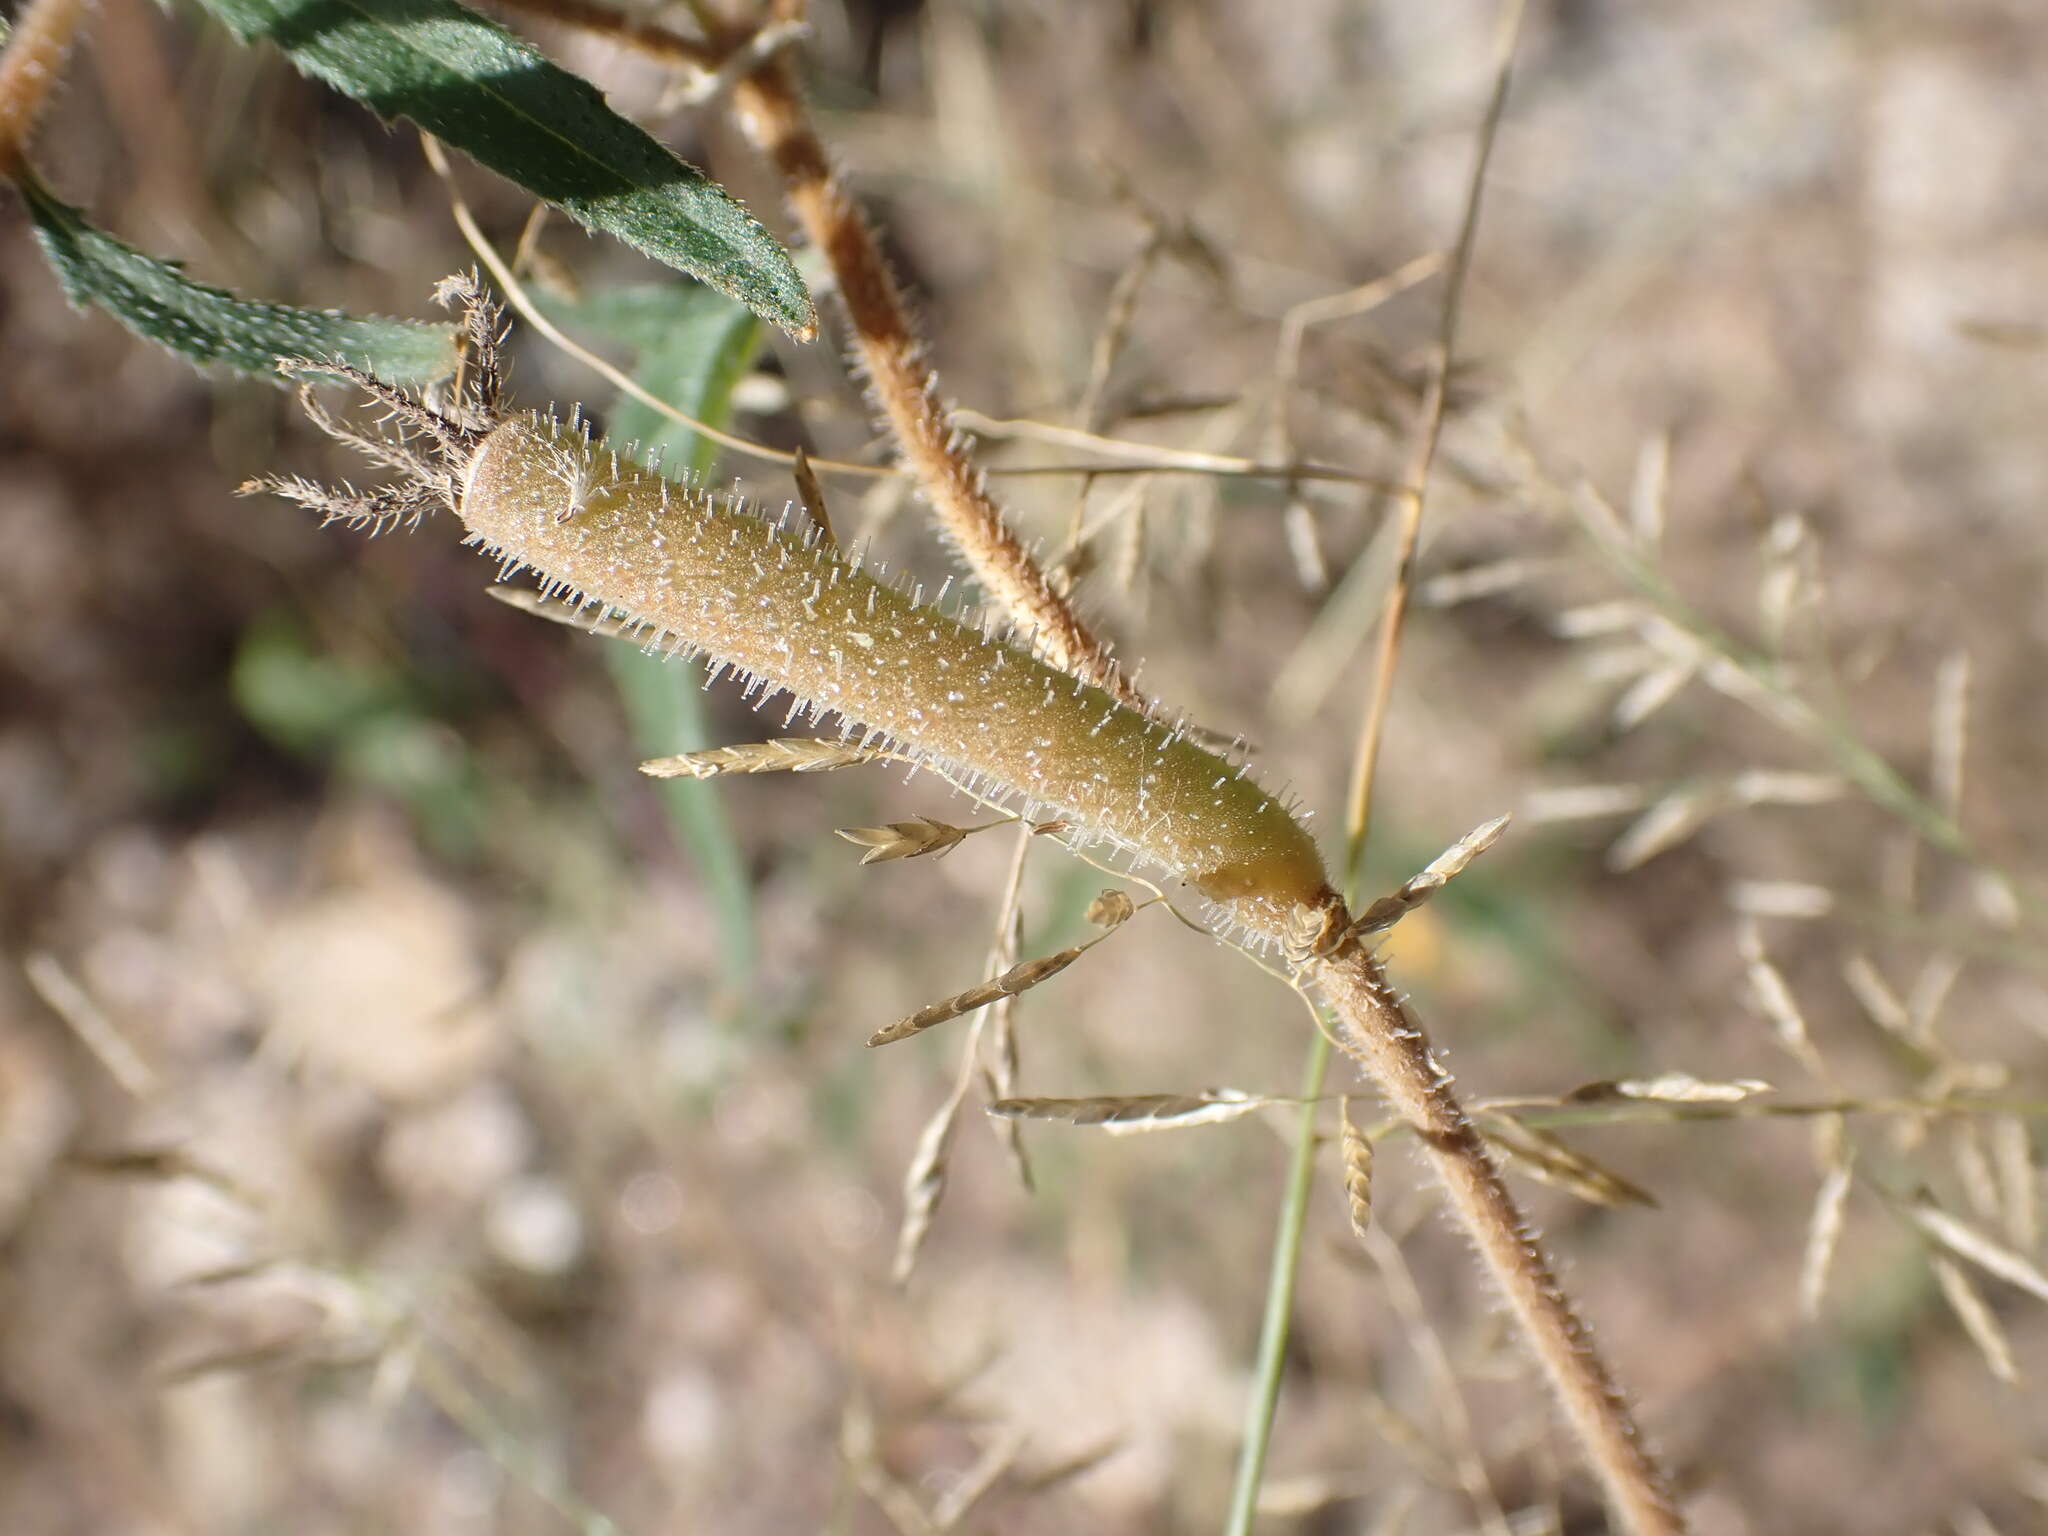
(410, 1120)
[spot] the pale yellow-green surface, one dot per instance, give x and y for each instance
(791, 614)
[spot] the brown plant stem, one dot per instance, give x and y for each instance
(1375, 1026)
(30, 68)
(771, 111)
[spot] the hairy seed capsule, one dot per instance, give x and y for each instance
(794, 614)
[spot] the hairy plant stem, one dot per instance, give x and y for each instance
(1375, 1026)
(30, 70)
(770, 109)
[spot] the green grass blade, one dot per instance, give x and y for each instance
(1263, 1403)
(211, 326)
(470, 82)
(693, 348)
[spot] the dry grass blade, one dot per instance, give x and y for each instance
(1669, 1088)
(1583, 802)
(1446, 867)
(591, 621)
(1546, 1157)
(1065, 1470)
(907, 839)
(790, 754)
(997, 1458)
(1966, 1242)
(71, 1003)
(2012, 1149)
(1977, 1319)
(813, 494)
(1950, 734)
(1018, 978)
(1133, 1114)
(1355, 1147)
(1972, 1161)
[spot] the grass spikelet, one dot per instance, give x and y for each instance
(1135, 1113)
(1446, 867)
(1355, 1148)
(1546, 1157)
(1978, 1321)
(1664, 826)
(1824, 1231)
(1795, 899)
(1966, 1242)
(1669, 1088)
(2012, 1149)
(788, 754)
(908, 839)
(924, 1184)
(1018, 978)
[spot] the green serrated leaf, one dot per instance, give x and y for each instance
(209, 325)
(469, 81)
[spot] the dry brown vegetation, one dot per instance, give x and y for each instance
(388, 1139)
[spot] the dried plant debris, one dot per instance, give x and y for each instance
(1447, 866)
(788, 754)
(1018, 978)
(1111, 909)
(1132, 1114)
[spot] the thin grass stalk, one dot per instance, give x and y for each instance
(1386, 1039)
(1277, 1320)
(1276, 1323)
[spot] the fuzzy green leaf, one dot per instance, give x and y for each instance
(209, 325)
(470, 82)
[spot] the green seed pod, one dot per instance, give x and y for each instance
(788, 611)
